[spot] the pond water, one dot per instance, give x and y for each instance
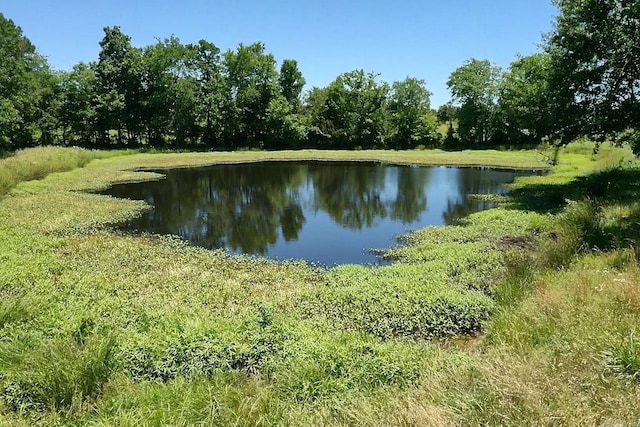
(323, 212)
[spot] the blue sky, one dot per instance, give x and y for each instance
(426, 39)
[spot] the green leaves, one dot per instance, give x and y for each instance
(412, 301)
(352, 111)
(412, 121)
(21, 85)
(596, 63)
(474, 86)
(525, 99)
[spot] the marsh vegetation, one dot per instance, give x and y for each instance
(473, 324)
(523, 314)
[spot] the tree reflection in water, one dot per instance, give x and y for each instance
(261, 208)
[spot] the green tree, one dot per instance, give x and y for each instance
(24, 76)
(76, 113)
(287, 121)
(447, 113)
(526, 101)
(291, 82)
(251, 83)
(355, 111)
(474, 86)
(412, 120)
(595, 58)
(160, 62)
(119, 87)
(314, 108)
(212, 97)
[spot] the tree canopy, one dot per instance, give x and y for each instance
(584, 82)
(596, 66)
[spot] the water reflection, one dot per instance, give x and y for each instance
(328, 212)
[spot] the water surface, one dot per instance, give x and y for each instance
(324, 212)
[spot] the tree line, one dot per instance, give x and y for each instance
(585, 81)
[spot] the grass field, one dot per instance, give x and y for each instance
(526, 314)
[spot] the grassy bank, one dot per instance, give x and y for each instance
(36, 163)
(522, 314)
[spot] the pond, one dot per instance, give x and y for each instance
(323, 212)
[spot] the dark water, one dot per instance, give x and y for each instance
(325, 212)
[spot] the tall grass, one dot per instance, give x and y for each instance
(59, 375)
(580, 228)
(36, 163)
(204, 338)
(624, 358)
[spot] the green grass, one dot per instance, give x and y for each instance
(36, 163)
(524, 314)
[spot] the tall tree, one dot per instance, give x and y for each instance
(159, 94)
(76, 113)
(596, 66)
(474, 86)
(118, 94)
(355, 111)
(287, 121)
(291, 82)
(23, 78)
(314, 109)
(525, 99)
(212, 96)
(411, 117)
(252, 83)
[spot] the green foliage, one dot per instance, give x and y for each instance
(409, 301)
(291, 82)
(31, 164)
(630, 137)
(195, 96)
(624, 358)
(474, 86)
(23, 88)
(525, 100)
(596, 66)
(354, 111)
(58, 375)
(411, 119)
(579, 229)
(245, 347)
(118, 88)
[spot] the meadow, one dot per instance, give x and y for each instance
(525, 314)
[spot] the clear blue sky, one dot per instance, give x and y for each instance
(427, 39)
